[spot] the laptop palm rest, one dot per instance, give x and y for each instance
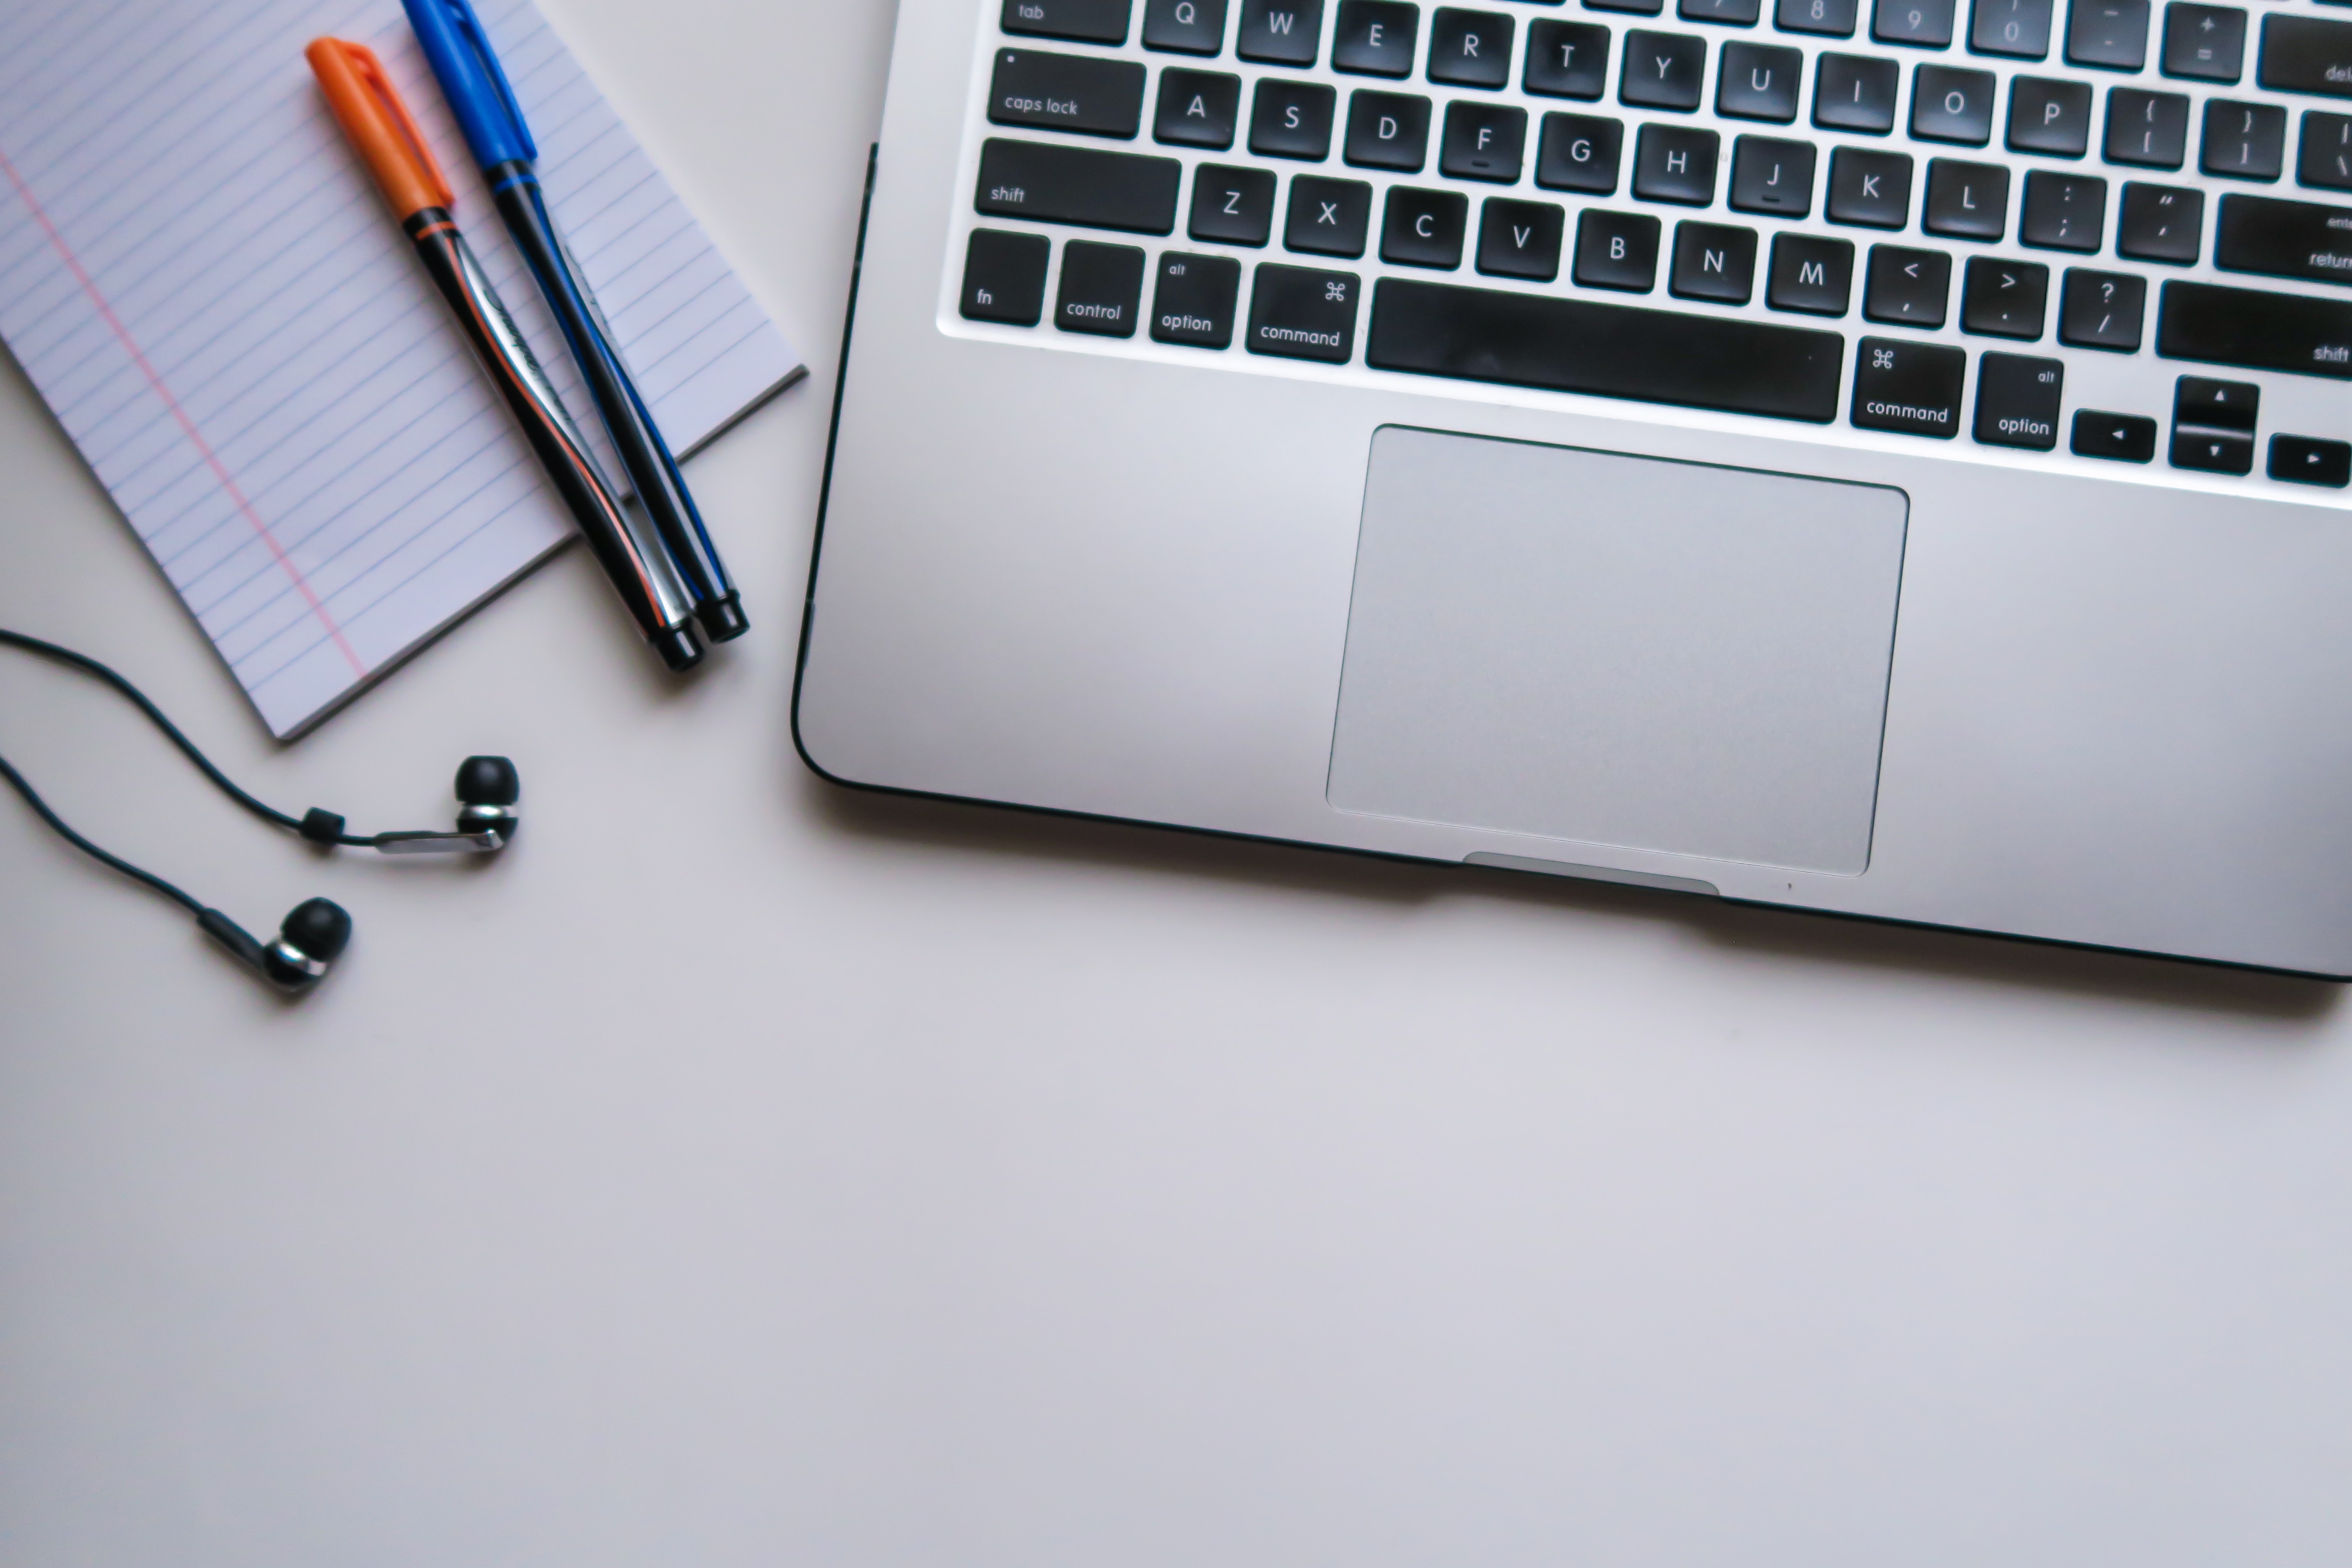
(1618, 650)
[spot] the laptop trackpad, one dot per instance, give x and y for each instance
(1619, 650)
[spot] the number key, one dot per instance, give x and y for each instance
(2019, 28)
(1924, 24)
(1831, 18)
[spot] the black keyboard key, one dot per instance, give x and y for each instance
(2305, 460)
(1567, 60)
(1302, 312)
(1662, 70)
(2204, 403)
(1907, 287)
(1328, 218)
(2146, 129)
(2118, 437)
(2049, 117)
(1102, 289)
(2160, 223)
(1082, 21)
(1770, 176)
(1724, 363)
(1855, 92)
(1470, 49)
(2242, 141)
(2255, 331)
(1051, 182)
(1579, 152)
(1712, 261)
(1005, 276)
(1924, 24)
(2018, 29)
(2102, 310)
(1482, 141)
(1280, 31)
(1423, 229)
(2004, 299)
(1519, 239)
(2326, 161)
(1184, 28)
(1759, 81)
(1912, 389)
(1965, 201)
(1291, 119)
(2211, 451)
(1386, 130)
(1375, 38)
(1192, 304)
(1829, 18)
(1197, 109)
(1617, 250)
(2111, 35)
(1675, 163)
(2063, 212)
(1869, 190)
(1948, 104)
(1638, 7)
(1732, 13)
(1066, 92)
(2306, 54)
(2017, 401)
(2285, 239)
(1232, 206)
(2204, 43)
(1810, 275)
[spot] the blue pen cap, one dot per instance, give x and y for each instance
(467, 69)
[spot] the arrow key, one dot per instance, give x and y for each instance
(2118, 437)
(2305, 460)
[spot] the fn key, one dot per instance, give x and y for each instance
(1005, 276)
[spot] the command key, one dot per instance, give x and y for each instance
(1304, 312)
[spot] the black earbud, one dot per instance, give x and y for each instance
(489, 790)
(313, 938)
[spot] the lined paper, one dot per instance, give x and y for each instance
(202, 283)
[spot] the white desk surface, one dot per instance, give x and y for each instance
(742, 1172)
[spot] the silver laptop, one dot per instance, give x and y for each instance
(1882, 458)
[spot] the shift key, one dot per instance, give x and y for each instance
(1081, 186)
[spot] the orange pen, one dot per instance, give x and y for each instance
(385, 135)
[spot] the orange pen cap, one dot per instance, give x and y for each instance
(379, 125)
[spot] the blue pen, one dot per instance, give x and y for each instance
(459, 52)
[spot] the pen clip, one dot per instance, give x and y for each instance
(372, 76)
(470, 27)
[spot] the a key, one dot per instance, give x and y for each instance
(1566, 60)
(1727, 362)
(1732, 13)
(1617, 250)
(1912, 389)
(1184, 28)
(2204, 43)
(1291, 119)
(1197, 109)
(1232, 206)
(1924, 24)
(2109, 33)
(1303, 312)
(1855, 92)
(2004, 299)
(2242, 141)
(1965, 201)
(1005, 276)
(2306, 460)
(2160, 223)
(1102, 285)
(2117, 437)
(1482, 141)
(1637, 7)
(2306, 54)
(2213, 425)
(2101, 310)
(1810, 275)
(1948, 104)
(1082, 21)
(2063, 212)
(1906, 287)
(1829, 18)
(1066, 92)
(1375, 38)
(1328, 218)
(1386, 130)
(1519, 239)
(2254, 330)
(1712, 261)
(2324, 161)
(1675, 163)
(1423, 229)
(1770, 176)
(1869, 190)
(1579, 152)
(2018, 29)
(2285, 239)
(1193, 303)
(2017, 400)
(1662, 70)
(1470, 49)
(2049, 116)
(2146, 129)
(1759, 81)
(1051, 182)
(1280, 31)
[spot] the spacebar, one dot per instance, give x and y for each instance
(1610, 350)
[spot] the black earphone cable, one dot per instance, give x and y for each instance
(41, 807)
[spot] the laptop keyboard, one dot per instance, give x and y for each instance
(2108, 235)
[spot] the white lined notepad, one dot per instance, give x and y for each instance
(202, 283)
